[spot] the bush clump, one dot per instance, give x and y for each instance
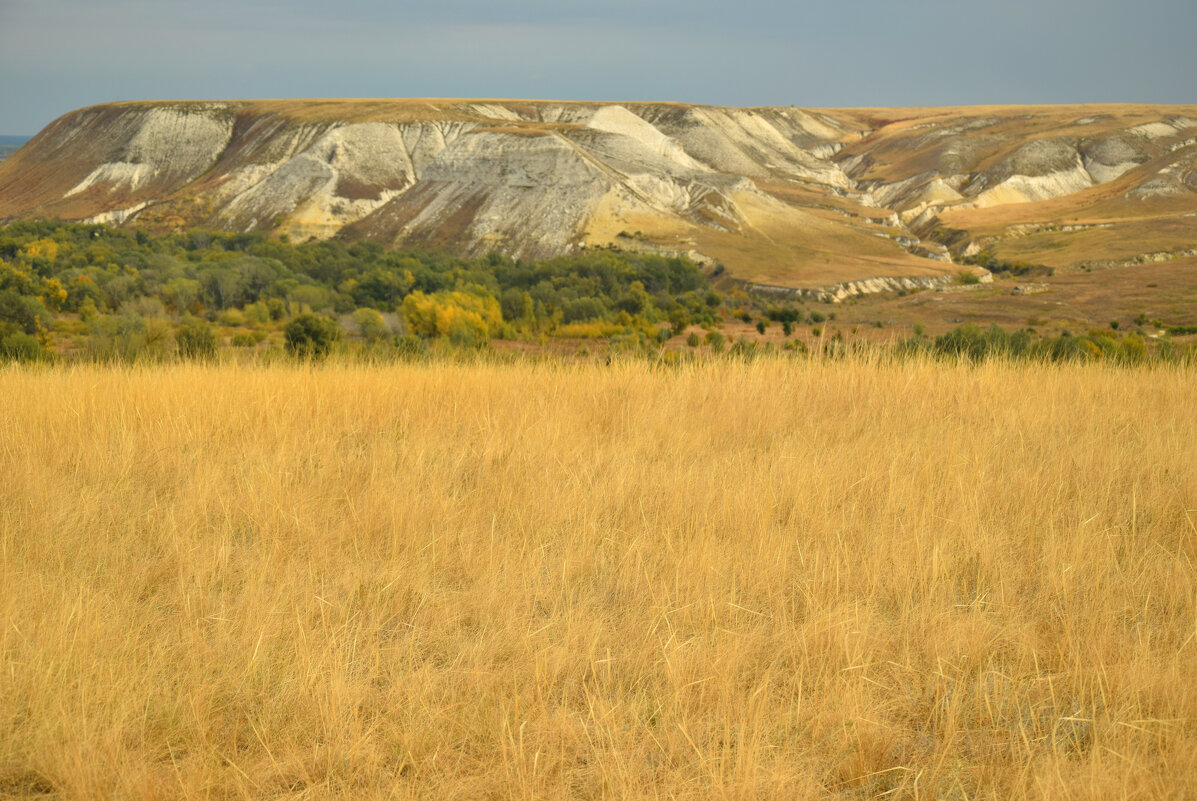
(971, 342)
(310, 336)
(21, 347)
(196, 339)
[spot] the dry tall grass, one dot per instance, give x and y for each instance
(775, 580)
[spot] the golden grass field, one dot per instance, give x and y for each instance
(784, 579)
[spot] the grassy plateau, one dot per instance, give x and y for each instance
(786, 579)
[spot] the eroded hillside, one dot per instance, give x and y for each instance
(782, 196)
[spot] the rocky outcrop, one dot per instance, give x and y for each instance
(995, 160)
(835, 293)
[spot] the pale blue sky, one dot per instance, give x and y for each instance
(58, 55)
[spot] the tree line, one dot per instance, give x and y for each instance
(93, 289)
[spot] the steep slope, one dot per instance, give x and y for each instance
(782, 196)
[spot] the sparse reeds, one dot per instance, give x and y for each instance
(775, 579)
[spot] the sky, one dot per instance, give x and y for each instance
(59, 55)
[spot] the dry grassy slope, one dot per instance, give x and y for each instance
(781, 195)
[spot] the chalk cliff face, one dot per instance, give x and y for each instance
(782, 196)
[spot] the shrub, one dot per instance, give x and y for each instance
(310, 336)
(678, 319)
(196, 339)
(21, 347)
(371, 324)
(233, 318)
(744, 349)
(311, 296)
(128, 336)
(584, 309)
(410, 346)
(715, 340)
(760, 327)
(694, 340)
(967, 340)
(158, 334)
(1132, 350)
(635, 300)
(627, 343)
(593, 330)
(257, 313)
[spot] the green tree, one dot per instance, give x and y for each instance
(23, 312)
(181, 293)
(678, 319)
(370, 322)
(310, 336)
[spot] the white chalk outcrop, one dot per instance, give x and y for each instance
(541, 178)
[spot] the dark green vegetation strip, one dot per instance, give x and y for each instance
(90, 292)
(103, 291)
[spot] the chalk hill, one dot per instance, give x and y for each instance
(782, 196)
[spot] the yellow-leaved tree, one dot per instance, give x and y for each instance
(464, 317)
(45, 248)
(54, 294)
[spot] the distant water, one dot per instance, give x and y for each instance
(11, 144)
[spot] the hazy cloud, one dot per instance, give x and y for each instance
(56, 55)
